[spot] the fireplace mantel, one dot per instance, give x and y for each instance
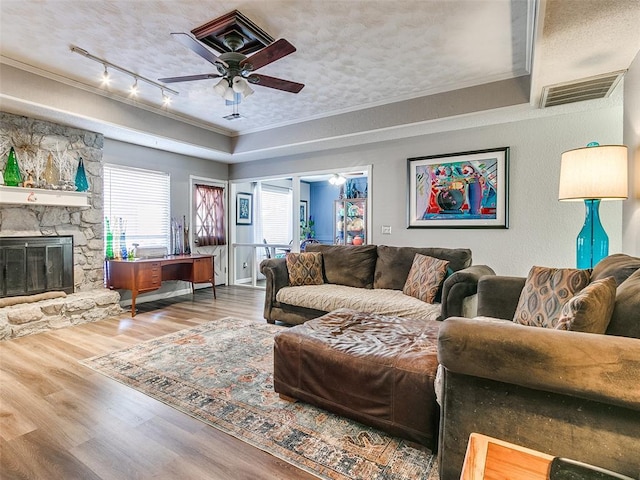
(40, 196)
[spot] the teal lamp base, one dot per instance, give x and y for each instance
(592, 243)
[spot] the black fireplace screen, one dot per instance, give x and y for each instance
(30, 265)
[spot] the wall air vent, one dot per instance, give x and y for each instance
(590, 88)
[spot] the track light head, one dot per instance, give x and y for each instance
(166, 99)
(134, 88)
(105, 76)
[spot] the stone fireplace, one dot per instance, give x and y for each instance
(30, 138)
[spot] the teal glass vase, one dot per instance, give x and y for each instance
(12, 176)
(592, 244)
(82, 185)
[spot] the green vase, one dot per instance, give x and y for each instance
(109, 234)
(12, 176)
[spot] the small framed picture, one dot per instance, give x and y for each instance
(303, 211)
(459, 190)
(244, 209)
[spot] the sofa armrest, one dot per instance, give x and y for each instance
(603, 368)
(458, 286)
(277, 276)
(498, 296)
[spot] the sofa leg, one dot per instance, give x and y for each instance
(287, 398)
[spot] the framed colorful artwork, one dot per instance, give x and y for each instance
(244, 209)
(459, 190)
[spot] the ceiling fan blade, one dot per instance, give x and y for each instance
(278, 49)
(195, 46)
(189, 78)
(277, 83)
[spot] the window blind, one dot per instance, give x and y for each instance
(141, 198)
(275, 212)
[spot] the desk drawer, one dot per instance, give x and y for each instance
(149, 275)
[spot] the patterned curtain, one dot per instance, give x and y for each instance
(210, 216)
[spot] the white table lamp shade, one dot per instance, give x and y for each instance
(598, 172)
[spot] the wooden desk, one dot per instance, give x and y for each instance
(145, 275)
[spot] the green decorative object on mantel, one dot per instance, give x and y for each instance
(12, 176)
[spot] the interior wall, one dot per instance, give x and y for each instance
(180, 168)
(542, 230)
(631, 207)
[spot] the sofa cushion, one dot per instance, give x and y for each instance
(545, 291)
(590, 310)
(328, 297)
(625, 321)
(393, 263)
(304, 268)
(619, 265)
(346, 264)
(425, 278)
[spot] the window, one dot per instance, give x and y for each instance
(275, 213)
(138, 202)
(210, 216)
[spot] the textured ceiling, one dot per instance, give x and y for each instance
(352, 55)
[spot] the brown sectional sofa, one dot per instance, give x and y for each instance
(565, 393)
(375, 272)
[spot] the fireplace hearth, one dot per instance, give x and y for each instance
(31, 265)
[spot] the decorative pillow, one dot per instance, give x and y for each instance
(591, 309)
(304, 268)
(545, 291)
(425, 277)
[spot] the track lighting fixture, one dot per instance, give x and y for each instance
(166, 100)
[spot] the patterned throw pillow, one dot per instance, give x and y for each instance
(591, 309)
(425, 277)
(304, 268)
(545, 291)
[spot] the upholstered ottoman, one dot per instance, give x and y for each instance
(375, 369)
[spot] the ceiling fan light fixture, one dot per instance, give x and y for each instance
(337, 179)
(221, 87)
(230, 95)
(241, 86)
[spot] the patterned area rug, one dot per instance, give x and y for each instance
(221, 373)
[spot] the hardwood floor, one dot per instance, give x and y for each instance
(61, 420)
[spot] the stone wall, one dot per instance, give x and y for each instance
(33, 140)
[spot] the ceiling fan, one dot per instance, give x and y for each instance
(236, 69)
